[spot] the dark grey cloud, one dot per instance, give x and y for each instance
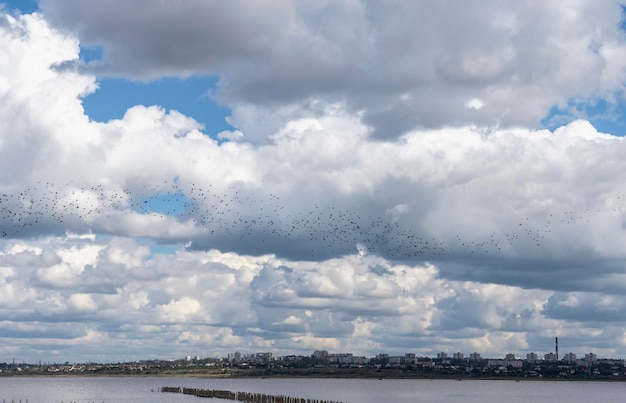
(402, 65)
(586, 307)
(39, 330)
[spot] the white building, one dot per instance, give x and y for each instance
(234, 357)
(320, 354)
(569, 358)
(505, 363)
(591, 357)
(347, 358)
(396, 360)
(550, 357)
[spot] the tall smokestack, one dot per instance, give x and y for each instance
(557, 348)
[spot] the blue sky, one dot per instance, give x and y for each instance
(190, 96)
(418, 180)
(23, 6)
(607, 117)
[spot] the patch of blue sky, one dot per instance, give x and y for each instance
(605, 116)
(20, 6)
(90, 54)
(189, 96)
(171, 204)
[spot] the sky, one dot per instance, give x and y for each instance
(197, 178)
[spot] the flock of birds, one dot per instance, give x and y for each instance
(253, 221)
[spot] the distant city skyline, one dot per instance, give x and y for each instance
(238, 356)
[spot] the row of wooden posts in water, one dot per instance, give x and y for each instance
(246, 397)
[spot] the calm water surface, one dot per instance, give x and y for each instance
(144, 390)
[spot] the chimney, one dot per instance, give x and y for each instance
(557, 348)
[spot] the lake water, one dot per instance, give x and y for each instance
(144, 390)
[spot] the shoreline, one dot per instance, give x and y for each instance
(316, 376)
